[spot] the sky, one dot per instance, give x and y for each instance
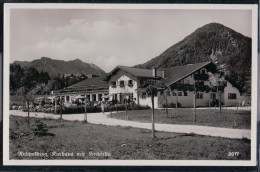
(109, 38)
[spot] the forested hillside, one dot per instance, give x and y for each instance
(60, 67)
(211, 42)
(23, 80)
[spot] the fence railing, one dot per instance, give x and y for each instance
(239, 108)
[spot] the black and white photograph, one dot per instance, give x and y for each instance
(126, 84)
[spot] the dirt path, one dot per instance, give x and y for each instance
(101, 118)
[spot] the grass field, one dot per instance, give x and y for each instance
(118, 142)
(206, 117)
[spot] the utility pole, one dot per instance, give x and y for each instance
(194, 103)
(152, 97)
(86, 115)
(61, 101)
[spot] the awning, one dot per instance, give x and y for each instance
(79, 97)
(107, 96)
(51, 98)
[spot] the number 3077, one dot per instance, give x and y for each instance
(233, 153)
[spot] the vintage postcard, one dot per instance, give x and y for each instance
(128, 84)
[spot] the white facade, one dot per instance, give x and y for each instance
(186, 99)
(232, 96)
(127, 88)
(120, 89)
(120, 92)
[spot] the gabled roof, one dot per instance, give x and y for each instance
(174, 74)
(90, 83)
(138, 72)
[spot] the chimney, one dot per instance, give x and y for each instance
(154, 72)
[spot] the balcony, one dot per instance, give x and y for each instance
(202, 77)
(113, 85)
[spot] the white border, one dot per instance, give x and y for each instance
(6, 62)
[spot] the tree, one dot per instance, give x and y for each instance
(152, 86)
(194, 101)
(61, 106)
(16, 75)
(28, 96)
(165, 103)
(218, 81)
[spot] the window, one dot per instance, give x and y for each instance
(232, 96)
(168, 93)
(131, 95)
(161, 92)
(122, 84)
(99, 97)
(94, 97)
(187, 82)
(203, 71)
(179, 93)
(174, 93)
(130, 83)
(200, 83)
(185, 93)
(213, 96)
(199, 96)
(113, 84)
(144, 95)
(141, 82)
(88, 97)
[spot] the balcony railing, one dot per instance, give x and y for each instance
(113, 84)
(202, 77)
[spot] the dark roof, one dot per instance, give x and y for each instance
(174, 74)
(138, 72)
(90, 83)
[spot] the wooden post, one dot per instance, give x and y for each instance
(61, 108)
(28, 108)
(55, 106)
(152, 97)
(219, 97)
(194, 105)
(126, 109)
(209, 98)
(126, 106)
(170, 95)
(177, 102)
(166, 101)
(86, 112)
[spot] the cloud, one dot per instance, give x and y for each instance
(98, 42)
(110, 37)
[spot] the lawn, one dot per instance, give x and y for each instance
(117, 143)
(206, 117)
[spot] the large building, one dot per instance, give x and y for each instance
(125, 83)
(92, 89)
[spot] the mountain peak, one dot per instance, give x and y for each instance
(46, 58)
(78, 61)
(211, 41)
(61, 67)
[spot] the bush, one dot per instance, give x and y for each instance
(96, 109)
(131, 106)
(172, 105)
(41, 129)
